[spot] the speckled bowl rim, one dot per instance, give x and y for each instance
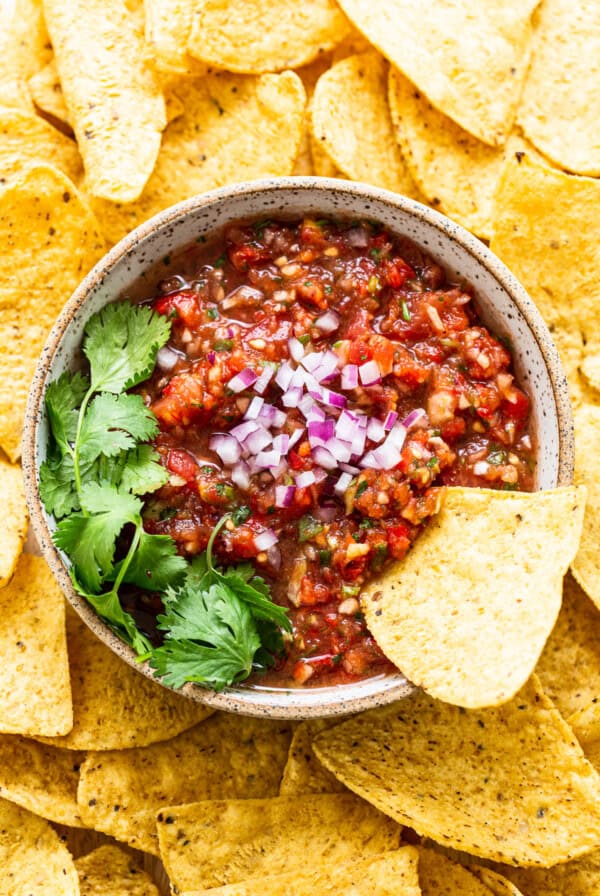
(288, 703)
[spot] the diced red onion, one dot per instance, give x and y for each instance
(333, 399)
(328, 367)
(284, 375)
(296, 349)
(243, 430)
(342, 484)
(266, 460)
(383, 458)
(342, 451)
(254, 408)
(227, 447)
(291, 397)
(347, 426)
(242, 380)
(311, 361)
(295, 437)
(326, 513)
(257, 441)
(274, 557)
(310, 409)
(357, 237)
(240, 475)
(264, 379)
(390, 420)
(284, 495)
(265, 540)
(375, 430)
(328, 322)
(320, 431)
(369, 373)
(348, 468)
(239, 295)
(267, 414)
(396, 436)
(167, 358)
(211, 357)
(320, 474)
(281, 443)
(324, 458)
(303, 480)
(414, 417)
(349, 376)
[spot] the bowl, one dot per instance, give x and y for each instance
(503, 304)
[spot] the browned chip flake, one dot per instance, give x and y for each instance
(508, 783)
(110, 871)
(12, 501)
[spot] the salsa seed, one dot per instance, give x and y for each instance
(349, 607)
(258, 344)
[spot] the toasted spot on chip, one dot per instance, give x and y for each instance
(26, 139)
(391, 874)
(33, 860)
(358, 137)
(35, 694)
(110, 871)
(324, 166)
(114, 707)
(226, 757)
(469, 58)
(40, 778)
(547, 230)
(36, 222)
(560, 104)
(233, 128)
(257, 37)
(24, 49)
(487, 570)
(586, 565)
(113, 96)
(440, 876)
(569, 667)
(212, 843)
(14, 529)
(508, 783)
(578, 878)
(303, 773)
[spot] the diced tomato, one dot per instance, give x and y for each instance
(183, 307)
(313, 593)
(360, 351)
(453, 429)
(360, 324)
(398, 540)
(243, 257)
(182, 464)
(518, 409)
(397, 272)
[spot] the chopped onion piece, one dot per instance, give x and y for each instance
(342, 451)
(281, 443)
(303, 480)
(265, 540)
(239, 295)
(242, 380)
(254, 408)
(291, 397)
(211, 357)
(348, 468)
(328, 322)
(240, 475)
(333, 399)
(481, 468)
(414, 417)
(324, 458)
(369, 373)
(264, 460)
(284, 495)
(279, 419)
(375, 430)
(166, 358)
(320, 431)
(390, 420)
(357, 237)
(310, 409)
(264, 379)
(296, 349)
(295, 437)
(342, 484)
(312, 361)
(349, 376)
(227, 447)
(274, 557)
(326, 513)
(284, 375)
(257, 441)
(245, 429)
(267, 414)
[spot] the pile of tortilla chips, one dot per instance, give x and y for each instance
(485, 781)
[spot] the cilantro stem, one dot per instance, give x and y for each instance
(77, 471)
(129, 556)
(212, 538)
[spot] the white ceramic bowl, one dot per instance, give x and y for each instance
(504, 307)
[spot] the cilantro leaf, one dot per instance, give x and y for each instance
(114, 423)
(212, 639)
(155, 565)
(89, 538)
(142, 472)
(255, 594)
(57, 486)
(121, 344)
(63, 398)
(122, 623)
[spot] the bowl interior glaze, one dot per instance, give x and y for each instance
(503, 304)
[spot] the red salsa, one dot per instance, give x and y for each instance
(323, 380)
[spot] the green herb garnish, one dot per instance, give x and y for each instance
(309, 528)
(405, 312)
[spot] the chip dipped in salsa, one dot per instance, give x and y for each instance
(322, 381)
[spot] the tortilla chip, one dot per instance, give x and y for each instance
(42, 779)
(585, 722)
(42, 217)
(110, 871)
(113, 96)
(560, 105)
(234, 128)
(578, 878)
(226, 757)
(440, 876)
(569, 667)
(547, 231)
(114, 706)
(35, 695)
(309, 75)
(586, 565)
(303, 773)
(392, 874)
(324, 167)
(46, 92)
(455, 171)
(508, 783)
(14, 529)
(212, 843)
(487, 570)
(168, 27)
(495, 883)
(469, 58)
(24, 49)
(29, 140)
(353, 43)
(257, 37)
(358, 137)
(33, 861)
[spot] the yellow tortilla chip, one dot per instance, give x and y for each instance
(168, 27)
(309, 75)
(487, 570)
(26, 139)
(495, 883)
(42, 217)
(586, 565)
(257, 37)
(46, 92)
(358, 136)
(114, 706)
(226, 757)
(234, 128)
(113, 96)
(14, 530)
(569, 667)
(560, 105)
(585, 722)
(392, 874)
(40, 778)
(508, 783)
(440, 876)
(324, 167)
(212, 843)
(578, 878)
(33, 860)
(110, 871)
(469, 58)
(353, 43)
(547, 231)
(24, 49)
(303, 773)
(35, 694)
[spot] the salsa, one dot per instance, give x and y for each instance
(322, 382)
